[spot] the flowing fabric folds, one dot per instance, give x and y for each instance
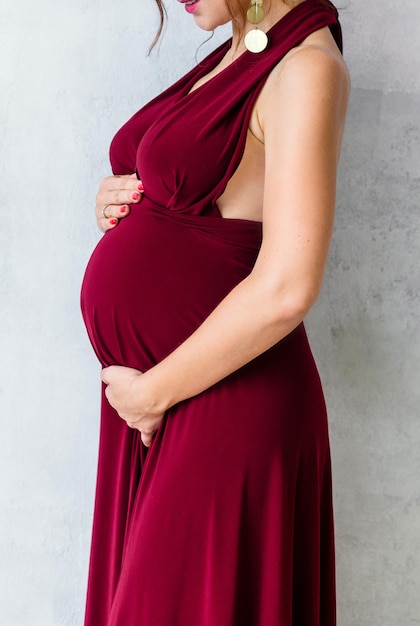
(227, 519)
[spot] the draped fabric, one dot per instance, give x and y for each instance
(227, 519)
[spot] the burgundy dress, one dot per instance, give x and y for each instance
(227, 519)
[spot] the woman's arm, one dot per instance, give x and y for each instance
(301, 115)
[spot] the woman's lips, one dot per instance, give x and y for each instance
(190, 5)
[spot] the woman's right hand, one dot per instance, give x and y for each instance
(114, 197)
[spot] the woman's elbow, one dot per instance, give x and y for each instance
(292, 304)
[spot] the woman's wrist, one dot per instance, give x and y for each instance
(153, 392)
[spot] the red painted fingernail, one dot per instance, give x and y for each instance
(140, 187)
(123, 209)
(135, 195)
(113, 222)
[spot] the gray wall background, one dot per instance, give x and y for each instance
(70, 74)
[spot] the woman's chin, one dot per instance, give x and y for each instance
(208, 25)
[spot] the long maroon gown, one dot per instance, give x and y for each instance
(227, 519)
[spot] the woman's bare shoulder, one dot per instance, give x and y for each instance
(312, 71)
(318, 56)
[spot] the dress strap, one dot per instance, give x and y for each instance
(229, 96)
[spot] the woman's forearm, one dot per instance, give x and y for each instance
(250, 320)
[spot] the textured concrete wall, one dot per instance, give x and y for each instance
(70, 74)
(365, 329)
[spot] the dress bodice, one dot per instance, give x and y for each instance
(204, 131)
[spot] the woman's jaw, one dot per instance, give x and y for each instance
(208, 14)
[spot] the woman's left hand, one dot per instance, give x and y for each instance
(125, 394)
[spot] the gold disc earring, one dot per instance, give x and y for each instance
(256, 40)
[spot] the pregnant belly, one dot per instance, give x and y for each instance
(153, 280)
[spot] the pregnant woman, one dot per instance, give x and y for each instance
(213, 503)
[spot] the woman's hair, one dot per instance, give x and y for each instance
(235, 7)
(163, 15)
